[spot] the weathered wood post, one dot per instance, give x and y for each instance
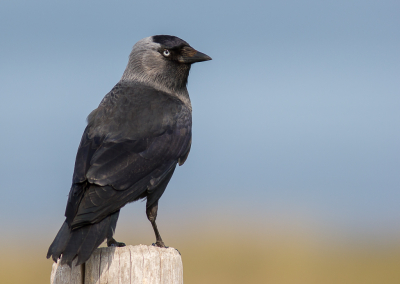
(125, 265)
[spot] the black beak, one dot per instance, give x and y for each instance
(190, 55)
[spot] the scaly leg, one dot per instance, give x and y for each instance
(111, 242)
(151, 213)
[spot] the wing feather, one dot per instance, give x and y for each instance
(131, 145)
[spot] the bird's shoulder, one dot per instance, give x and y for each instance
(136, 111)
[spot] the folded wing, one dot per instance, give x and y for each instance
(130, 147)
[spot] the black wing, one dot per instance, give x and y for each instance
(132, 143)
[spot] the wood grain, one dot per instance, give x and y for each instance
(125, 265)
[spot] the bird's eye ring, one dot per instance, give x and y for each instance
(166, 52)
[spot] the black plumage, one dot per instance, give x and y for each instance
(130, 147)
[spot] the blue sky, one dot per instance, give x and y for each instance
(297, 113)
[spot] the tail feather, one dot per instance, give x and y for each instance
(60, 242)
(81, 242)
(96, 235)
(74, 244)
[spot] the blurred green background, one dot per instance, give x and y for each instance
(293, 175)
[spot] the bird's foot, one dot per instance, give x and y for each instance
(159, 244)
(113, 243)
(162, 245)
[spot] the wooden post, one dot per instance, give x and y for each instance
(125, 265)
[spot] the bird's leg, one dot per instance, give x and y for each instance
(111, 242)
(151, 213)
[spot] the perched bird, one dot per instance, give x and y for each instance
(129, 150)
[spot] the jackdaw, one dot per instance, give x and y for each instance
(131, 145)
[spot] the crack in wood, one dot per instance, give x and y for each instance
(125, 265)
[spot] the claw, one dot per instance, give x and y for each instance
(113, 243)
(155, 245)
(160, 245)
(118, 244)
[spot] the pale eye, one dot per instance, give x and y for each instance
(166, 52)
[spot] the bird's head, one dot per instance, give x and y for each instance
(162, 61)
